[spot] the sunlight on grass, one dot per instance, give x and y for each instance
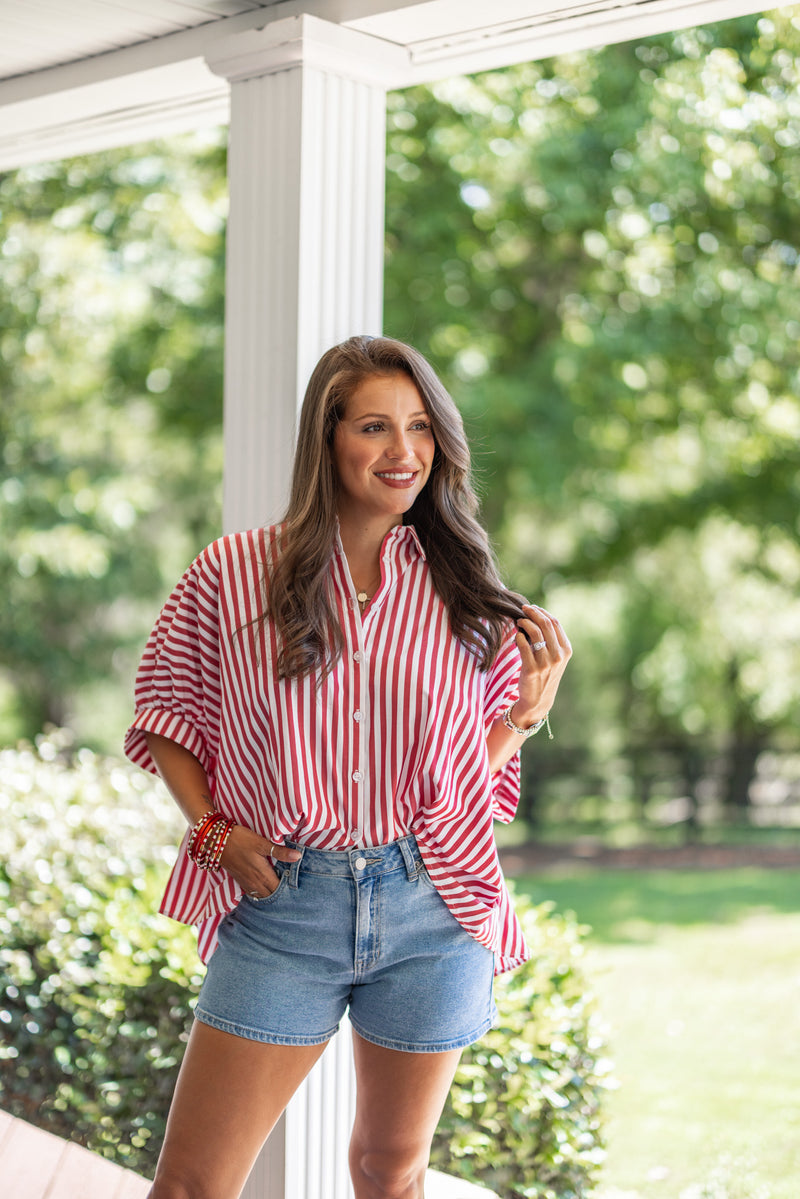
(698, 976)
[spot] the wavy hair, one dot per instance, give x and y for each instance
(297, 587)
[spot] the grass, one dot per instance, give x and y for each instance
(698, 976)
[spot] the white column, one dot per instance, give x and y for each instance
(305, 233)
(304, 271)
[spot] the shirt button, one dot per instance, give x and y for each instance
(358, 714)
(357, 776)
(354, 833)
(357, 656)
(360, 863)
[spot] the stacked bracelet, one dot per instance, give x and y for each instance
(529, 732)
(207, 840)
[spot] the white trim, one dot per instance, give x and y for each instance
(583, 27)
(154, 103)
(306, 164)
(314, 43)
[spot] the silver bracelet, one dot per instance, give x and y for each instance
(529, 732)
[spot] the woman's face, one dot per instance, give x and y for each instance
(383, 450)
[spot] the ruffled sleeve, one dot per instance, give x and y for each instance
(178, 682)
(502, 690)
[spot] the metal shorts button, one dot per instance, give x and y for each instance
(360, 863)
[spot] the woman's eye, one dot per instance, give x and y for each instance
(374, 428)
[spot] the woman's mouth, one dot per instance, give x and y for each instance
(397, 478)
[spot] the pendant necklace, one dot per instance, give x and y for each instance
(363, 596)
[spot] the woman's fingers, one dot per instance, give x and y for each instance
(282, 852)
(545, 651)
(247, 858)
(543, 632)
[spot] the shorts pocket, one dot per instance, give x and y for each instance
(263, 901)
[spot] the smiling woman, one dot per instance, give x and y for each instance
(337, 705)
(383, 452)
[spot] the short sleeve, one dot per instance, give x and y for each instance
(177, 692)
(502, 690)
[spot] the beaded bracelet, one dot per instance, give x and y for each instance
(208, 839)
(529, 732)
(199, 831)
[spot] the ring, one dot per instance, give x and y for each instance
(253, 895)
(539, 645)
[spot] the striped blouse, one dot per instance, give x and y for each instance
(393, 741)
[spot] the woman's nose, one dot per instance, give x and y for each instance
(400, 446)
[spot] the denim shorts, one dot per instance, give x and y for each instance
(358, 928)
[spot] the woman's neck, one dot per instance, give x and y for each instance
(362, 543)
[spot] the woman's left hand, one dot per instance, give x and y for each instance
(545, 651)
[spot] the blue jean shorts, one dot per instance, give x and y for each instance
(363, 929)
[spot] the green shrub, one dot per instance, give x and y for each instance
(523, 1116)
(96, 991)
(95, 987)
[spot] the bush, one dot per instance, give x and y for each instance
(523, 1115)
(95, 987)
(96, 991)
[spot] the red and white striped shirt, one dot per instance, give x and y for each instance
(393, 741)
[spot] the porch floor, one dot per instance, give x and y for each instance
(35, 1164)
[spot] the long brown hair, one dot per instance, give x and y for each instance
(456, 546)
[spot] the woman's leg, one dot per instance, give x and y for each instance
(229, 1096)
(399, 1101)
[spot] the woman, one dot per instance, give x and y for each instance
(337, 705)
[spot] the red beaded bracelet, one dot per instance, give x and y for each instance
(207, 840)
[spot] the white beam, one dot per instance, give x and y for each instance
(544, 30)
(98, 116)
(305, 232)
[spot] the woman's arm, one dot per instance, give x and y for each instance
(539, 679)
(246, 855)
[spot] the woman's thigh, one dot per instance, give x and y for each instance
(230, 1094)
(400, 1097)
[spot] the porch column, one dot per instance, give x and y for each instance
(306, 172)
(304, 270)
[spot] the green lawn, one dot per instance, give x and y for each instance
(698, 977)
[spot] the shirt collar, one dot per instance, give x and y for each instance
(401, 535)
(408, 535)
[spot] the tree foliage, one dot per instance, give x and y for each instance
(110, 373)
(600, 252)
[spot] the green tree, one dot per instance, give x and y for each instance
(110, 372)
(600, 252)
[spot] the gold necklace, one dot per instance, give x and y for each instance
(363, 596)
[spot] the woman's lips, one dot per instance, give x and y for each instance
(397, 478)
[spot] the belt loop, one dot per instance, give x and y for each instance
(411, 855)
(294, 867)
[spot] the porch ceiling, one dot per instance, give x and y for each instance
(79, 75)
(38, 34)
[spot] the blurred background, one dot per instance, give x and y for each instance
(599, 253)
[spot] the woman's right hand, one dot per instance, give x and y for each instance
(246, 857)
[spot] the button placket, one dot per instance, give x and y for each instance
(360, 733)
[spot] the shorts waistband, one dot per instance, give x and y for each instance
(359, 863)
